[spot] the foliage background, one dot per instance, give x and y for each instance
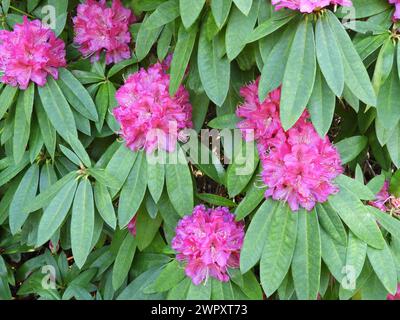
(52, 135)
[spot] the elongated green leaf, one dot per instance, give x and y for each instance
(190, 10)
(384, 266)
(156, 178)
(22, 122)
(48, 132)
(182, 54)
(356, 76)
(350, 148)
(238, 29)
(391, 224)
(165, 13)
(220, 10)
(357, 218)
(256, 235)
(356, 254)
(104, 177)
(330, 221)
(329, 56)
(214, 71)
(145, 39)
(306, 264)
(321, 105)
(57, 109)
(104, 204)
(7, 98)
(199, 292)
(267, 27)
(77, 95)
(179, 182)
(254, 196)
(82, 222)
(55, 213)
(356, 187)
(334, 256)
(299, 76)
(133, 191)
(24, 193)
(278, 249)
(243, 5)
(170, 276)
(11, 171)
(123, 261)
(384, 65)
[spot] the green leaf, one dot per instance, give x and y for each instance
(179, 182)
(199, 292)
(226, 121)
(77, 95)
(306, 264)
(156, 178)
(238, 29)
(214, 70)
(190, 10)
(11, 171)
(22, 122)
(165, 13)
(220, 10)
(356, 76)
(241, 170)
(104, 204)
(243, 5)
(329, 56)
(276, 62)
(104, 177)
(24, 193)
(388, 104)
(388, 222)
(48, 132)
(82, 222)
(350, 148)
(356, 187)
(57, 109)
(331, 223)
(181, 57)
(133, 191)
(334, 255)
(215, 200)
(44, 198)
(147, 229)
(299, 76)
(384, 65)
(7, 98)
(384, 266)
(145, 39)
(254, 195)
(268, 26)
(321, 105)
(55, 213)
(256, 235)
(356, 254)
(123, 261)
(357, 217)
(172, 274)
(278, 249)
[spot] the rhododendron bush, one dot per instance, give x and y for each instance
(193, 149)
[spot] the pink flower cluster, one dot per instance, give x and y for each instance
(396, 15)
(150, 118)
(308, 6)
(385, 201)
(209, 241)
(30, 53)
(396, 296)
(298, 165)
(99, 28)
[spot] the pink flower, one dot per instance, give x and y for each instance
(99, 28)
(396, 296)
(298, 165)
(30, 53)
(209, 241)
(386, 202)
(396, 15)
(132, 226)
(150, 118)
(308, 6)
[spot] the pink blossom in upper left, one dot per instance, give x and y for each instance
(150, 118)
(30, 53)
(99, 28)
(209, 242)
